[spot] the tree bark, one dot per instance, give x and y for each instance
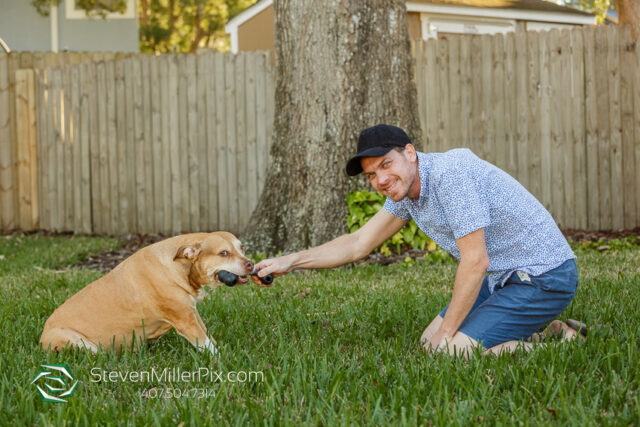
(341, 66)
(629, 13)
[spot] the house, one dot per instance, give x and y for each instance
(67, 28)
(253, 29)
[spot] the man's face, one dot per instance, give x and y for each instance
(394, 175)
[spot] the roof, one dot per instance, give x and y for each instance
(523, 10)
(417, 6)
(533, 5)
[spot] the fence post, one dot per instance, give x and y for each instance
(27, 171)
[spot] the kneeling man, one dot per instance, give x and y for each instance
(516, 271)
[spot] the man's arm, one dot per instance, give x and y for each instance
(342, 250)
(474, 262)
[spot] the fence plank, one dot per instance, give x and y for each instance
(521, 109)
(510, 100)
(76, 148)
(157, 126)
(578, 128)
(146, 127)
(627, 69)
(211, 128)
(121, 135)
(616, 189)
(84, 141)
(453, 138)
(445, 101)
(140, 163)
(7, 219)
(195, 159)
(130, 146)
(499, 145)
(177, 196)
(241, 143)
(545, 122)
(103, 149)
(591, 129)
(262, 98)
(59, 151)
(183, 166)
(534, 114)
(636, 130)
(13, 64)
(110, 176)
(167, 98)
(475, 113)
(26, 150)
(466, 89)
(602, 100)
(41, 125)
(556, 148)
(566, 142)
(203, 120)
(488, 146)
(67, 171)
(251, 72)
(230, 145)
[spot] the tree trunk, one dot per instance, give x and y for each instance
(629, 13)
(341, 66)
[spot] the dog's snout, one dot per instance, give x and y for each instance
(248, 265)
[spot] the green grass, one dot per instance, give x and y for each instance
(347, 353)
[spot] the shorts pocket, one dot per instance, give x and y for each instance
(563, 279)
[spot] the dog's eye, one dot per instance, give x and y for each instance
(223, 253)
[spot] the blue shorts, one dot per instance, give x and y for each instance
(521, 307)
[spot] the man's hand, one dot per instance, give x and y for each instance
(276, 266)
(438, 342)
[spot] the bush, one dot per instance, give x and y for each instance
(364, 204)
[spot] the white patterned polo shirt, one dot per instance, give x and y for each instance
(461, 193)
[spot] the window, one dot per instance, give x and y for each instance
(72, 11)
(435, 25)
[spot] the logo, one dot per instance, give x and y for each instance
(56, 375)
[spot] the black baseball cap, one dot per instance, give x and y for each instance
(376, 141)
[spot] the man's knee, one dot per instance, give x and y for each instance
(459, 345)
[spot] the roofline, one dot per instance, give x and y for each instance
(520, 14)
(579, 18)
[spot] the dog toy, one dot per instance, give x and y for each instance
(231, 279)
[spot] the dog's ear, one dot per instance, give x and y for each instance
(188, 252)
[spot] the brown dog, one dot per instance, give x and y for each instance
(149, 293)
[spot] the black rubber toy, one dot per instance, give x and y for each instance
(266, 280)
(231, 279)
(227, 278)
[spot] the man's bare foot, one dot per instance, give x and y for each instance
(561, 330)
(556, 329)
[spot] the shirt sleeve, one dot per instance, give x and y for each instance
(464, 205)
(396, 209)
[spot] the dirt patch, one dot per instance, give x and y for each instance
(107, 260)
(594, 236)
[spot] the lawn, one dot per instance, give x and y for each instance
(346, 352)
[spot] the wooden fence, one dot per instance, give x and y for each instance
(112, 144)
(19, 173)
(558, 110)
(165, 143)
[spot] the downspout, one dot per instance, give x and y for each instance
(54, 27)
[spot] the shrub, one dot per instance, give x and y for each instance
(364, 204)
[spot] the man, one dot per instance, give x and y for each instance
(481, 216)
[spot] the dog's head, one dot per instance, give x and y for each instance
(220, 251)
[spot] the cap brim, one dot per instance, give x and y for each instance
(353, 165)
